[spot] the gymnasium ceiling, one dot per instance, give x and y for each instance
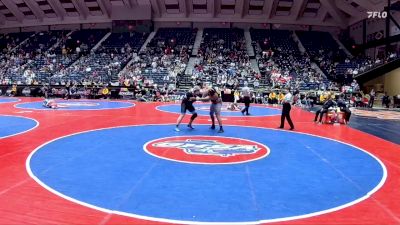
(308, 12)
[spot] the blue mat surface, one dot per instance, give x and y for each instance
(8, 100)
(12, 125)
(301, 176)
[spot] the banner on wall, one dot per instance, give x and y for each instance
(394, 30)
(375, 36)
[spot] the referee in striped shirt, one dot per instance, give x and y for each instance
(287, 102)
(246, 93)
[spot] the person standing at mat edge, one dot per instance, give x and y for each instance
(371, 98)
(187, 104)
(287, 101)
(246, 99)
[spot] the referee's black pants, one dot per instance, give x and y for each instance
(371, 101)
(286, 114)
(246, 101)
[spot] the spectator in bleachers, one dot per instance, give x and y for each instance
(222, 60)
(282, 62)
(272, 98)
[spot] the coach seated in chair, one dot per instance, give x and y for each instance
(325, 107)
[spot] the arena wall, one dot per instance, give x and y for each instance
(390, 83)
(211, 25)
(9, 30)
(97, 26)
(65, 27)
(373, 26)
(34, 29)
(172, 24)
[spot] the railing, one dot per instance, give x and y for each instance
(378, 71)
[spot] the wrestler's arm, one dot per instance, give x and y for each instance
(205, 99)
(214, 98)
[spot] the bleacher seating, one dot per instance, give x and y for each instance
(109, 59)
(130, 41)
(12, 61)
(212, 38)
(41, 41)
(43, 61)
(223, 61)
(12, 40)
(324, 50)
(174, 38)
(281, 62)
(164, 59)
(84, 39)
(35, 61)
(316, 41)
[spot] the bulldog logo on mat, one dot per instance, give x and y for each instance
(206, 149)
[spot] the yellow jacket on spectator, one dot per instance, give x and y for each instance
(236, 94)
(281, 96)
(322, 98)
(272, 95)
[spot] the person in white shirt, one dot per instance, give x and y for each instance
(371, 98)
(287, 101)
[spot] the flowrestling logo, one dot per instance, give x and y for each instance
(206, 149)
(377, 14)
